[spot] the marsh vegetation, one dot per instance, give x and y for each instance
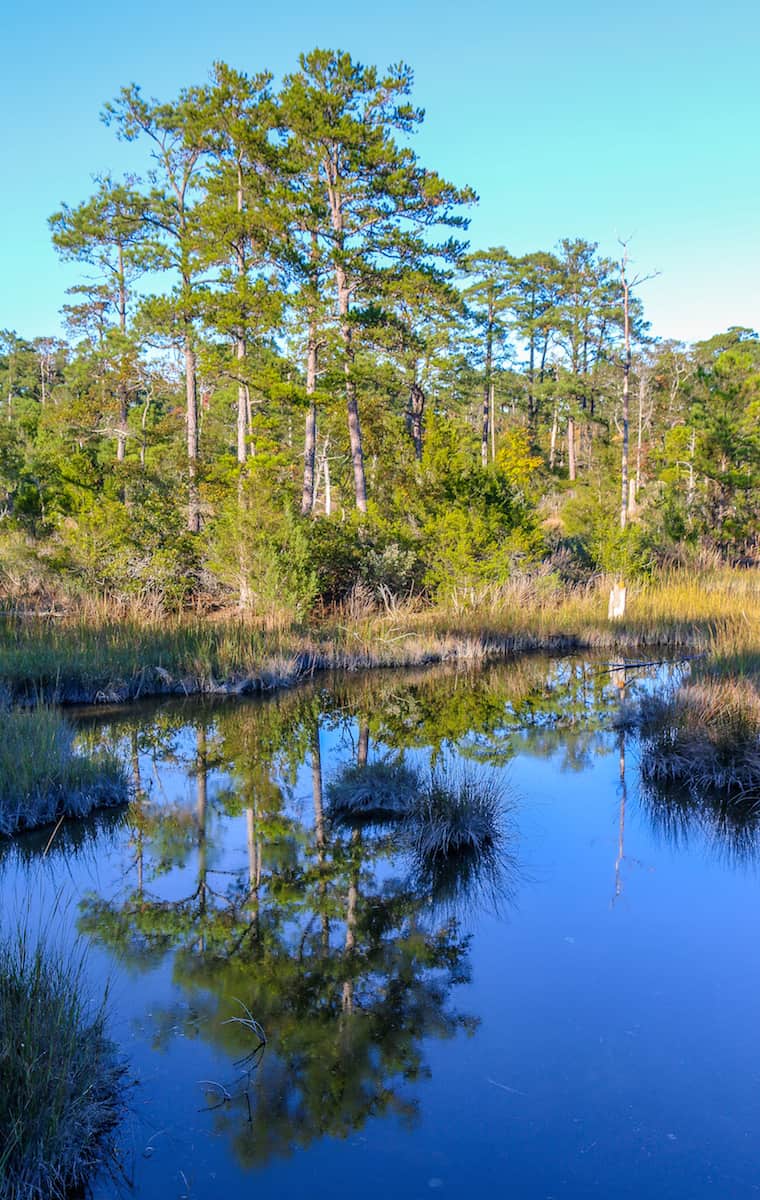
(61, 1077)
(44, 776)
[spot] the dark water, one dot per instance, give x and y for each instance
(578, 1019)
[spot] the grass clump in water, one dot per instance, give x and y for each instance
(43, 777)
(705, 735)
(372, 793)
(459, 839)
(60, 1079)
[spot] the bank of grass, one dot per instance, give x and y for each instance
(94, 657)
(704, 736)
(43, 777)
(60, 1079)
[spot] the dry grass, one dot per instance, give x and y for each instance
(104, 658)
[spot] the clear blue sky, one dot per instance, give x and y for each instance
(569, 119)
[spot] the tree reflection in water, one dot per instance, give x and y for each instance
(325, 936)
(338, 939)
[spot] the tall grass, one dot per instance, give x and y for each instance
(101, 656)
(705, 735)
(43, 777)
(60, 1079)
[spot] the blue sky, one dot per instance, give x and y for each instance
(569, 119)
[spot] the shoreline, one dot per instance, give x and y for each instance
(278, 670)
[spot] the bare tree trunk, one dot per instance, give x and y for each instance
(328, 487)
(640, 430)
(346, 333)
(493, 426)
(123, 391)
(487, 388)
(352, 406)
(571, 449)
(553, 438)
(310, 437)
(626, 400)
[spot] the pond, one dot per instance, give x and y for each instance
(573, 1016)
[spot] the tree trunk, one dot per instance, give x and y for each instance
(123, 391)
(328, 486)
(310, 436)
(415, 417)
(352, 406)
(626, 380)
(571, 449)
(191, 389)
(553, 439)
(487, 389)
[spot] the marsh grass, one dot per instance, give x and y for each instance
(373, 794)
(459, 832)
(60, 1079)
(43, 777)
(704, 734)
(457, 809)
(100, 656)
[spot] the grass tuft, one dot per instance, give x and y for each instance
(60, 1080)
(458, 835)
(372, 794)
(704, 735)
(43, 777)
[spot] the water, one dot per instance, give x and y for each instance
(578, 1020)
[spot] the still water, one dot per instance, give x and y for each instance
(578, 1020)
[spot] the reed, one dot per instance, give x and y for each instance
(106, 656)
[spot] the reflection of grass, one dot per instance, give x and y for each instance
(730, 825)
(706, 735)
(42, 777)
(377, 792)
(59, 1078)
(457, 810)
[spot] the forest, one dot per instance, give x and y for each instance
(290, 387)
